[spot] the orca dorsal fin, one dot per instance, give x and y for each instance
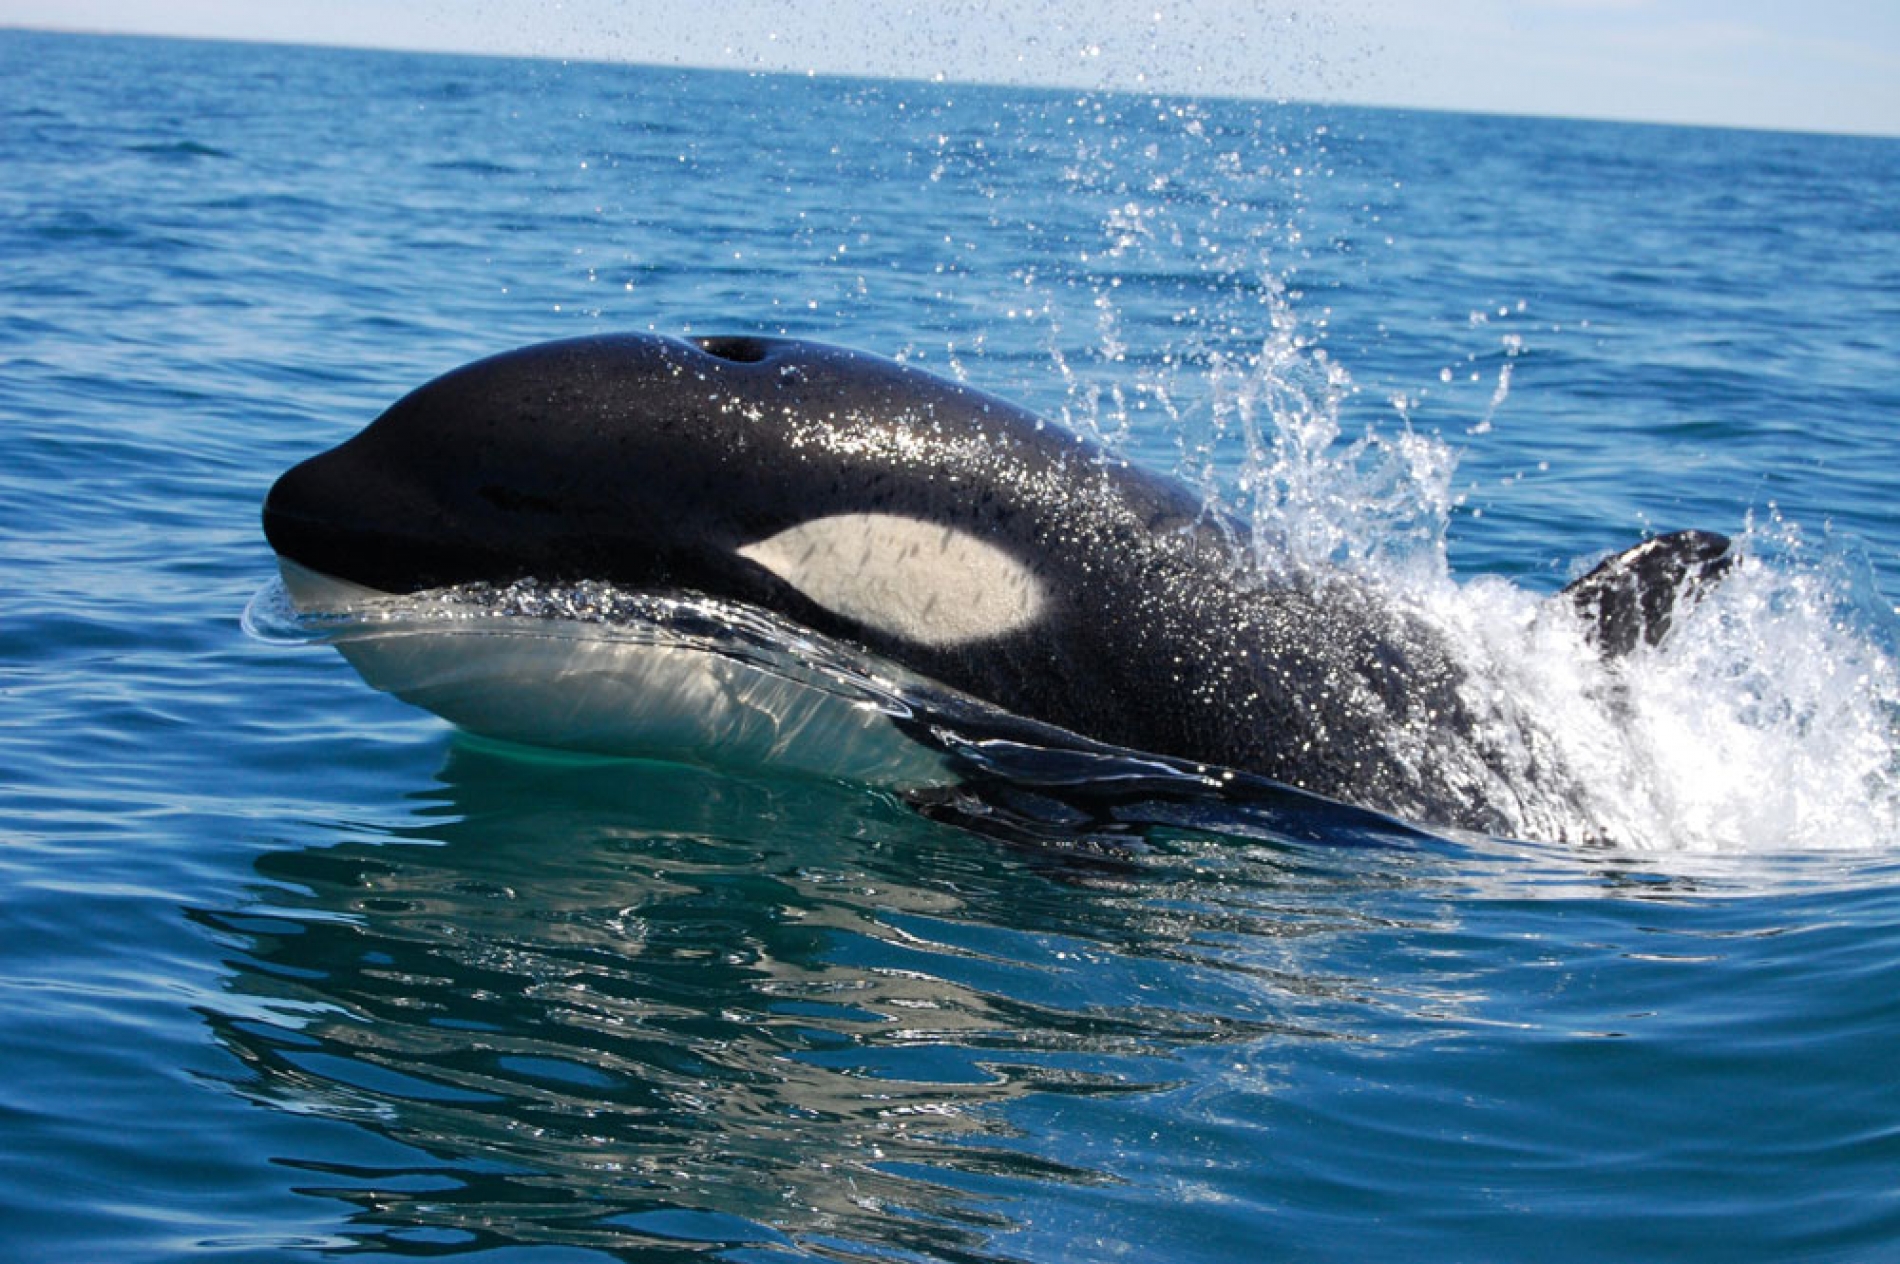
(1633, 595)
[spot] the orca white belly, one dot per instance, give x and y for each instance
(626, 691)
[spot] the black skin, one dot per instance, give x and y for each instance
(649, 462)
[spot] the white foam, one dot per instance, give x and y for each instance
(1768, 721)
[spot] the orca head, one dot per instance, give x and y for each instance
(850, 492)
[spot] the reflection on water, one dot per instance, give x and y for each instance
(621, 1005)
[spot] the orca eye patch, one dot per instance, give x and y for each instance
(927, 583)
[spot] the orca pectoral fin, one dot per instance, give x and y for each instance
(1633, 596)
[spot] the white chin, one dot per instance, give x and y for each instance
(580, 687)
(313, 592)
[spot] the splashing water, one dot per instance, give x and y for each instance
(1769, 720)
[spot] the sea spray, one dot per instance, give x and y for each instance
(1765, 721)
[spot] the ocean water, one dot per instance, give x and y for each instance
(290, 970)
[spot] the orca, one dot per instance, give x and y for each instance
(966, 544)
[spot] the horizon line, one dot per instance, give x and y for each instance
(326, 45)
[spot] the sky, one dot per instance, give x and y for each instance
(1807, 65)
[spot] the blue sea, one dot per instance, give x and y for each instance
(290, 970)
